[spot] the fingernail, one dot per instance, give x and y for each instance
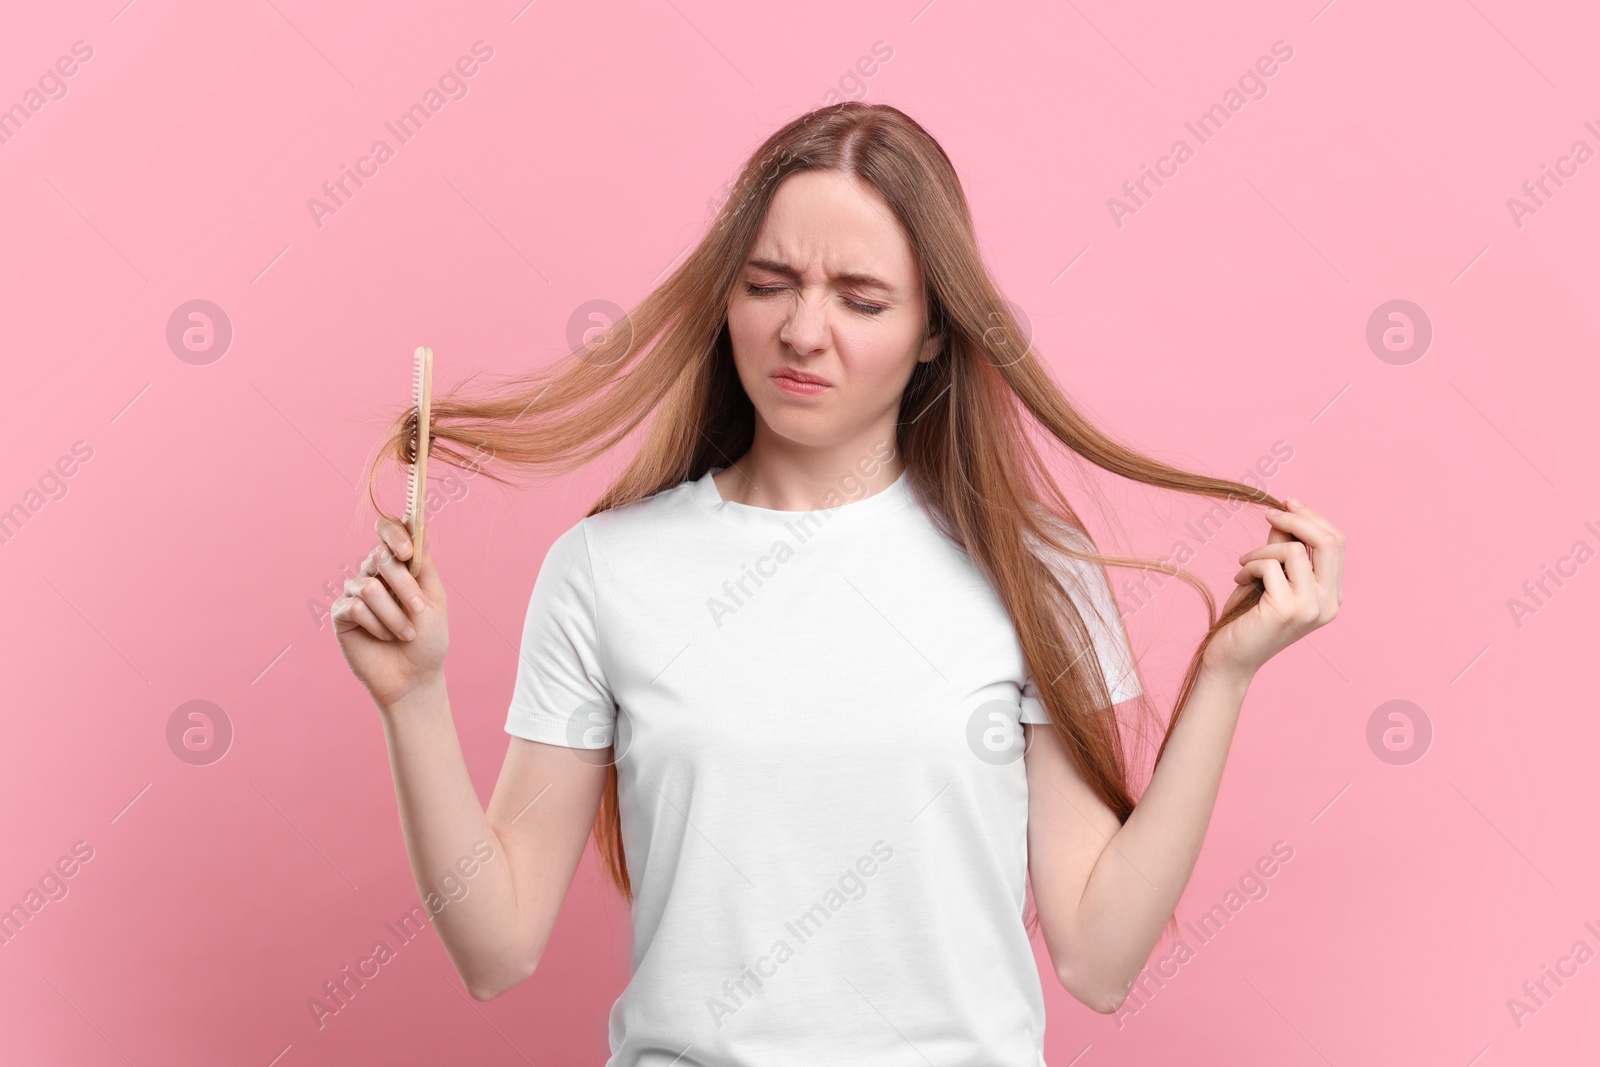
(416, 604)
(408, 633)
(1294, 502)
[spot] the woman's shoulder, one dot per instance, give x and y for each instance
(1084, 579)
(1058, 527)
(612, 534)
(651, 516)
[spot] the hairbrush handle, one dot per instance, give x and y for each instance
(422, 397)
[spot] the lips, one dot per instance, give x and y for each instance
(799, 384)
(800, 376)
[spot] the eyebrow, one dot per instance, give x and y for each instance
(861, 281)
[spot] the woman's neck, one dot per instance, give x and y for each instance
(807, 483)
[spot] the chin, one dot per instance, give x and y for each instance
(809, 429)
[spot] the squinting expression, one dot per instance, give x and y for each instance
(831, 289)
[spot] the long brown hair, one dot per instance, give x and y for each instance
(965, 443)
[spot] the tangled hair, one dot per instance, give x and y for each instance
(967, 452)
(410, 438)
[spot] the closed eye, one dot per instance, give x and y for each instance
(764, 290)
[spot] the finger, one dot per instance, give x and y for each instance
(1330, 564)
(1270, 572)
(427, 577)
(1302, 579)
(1278, 550)
(1293, 557)
(352, 613)
(1245, 582)
(381, 601)
(1280, 598)
(1300, 507)
(396, 536)
(1315, 532)
(1328, 560)
(382, 562)
(1323, 541)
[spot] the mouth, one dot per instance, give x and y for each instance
(799, 383)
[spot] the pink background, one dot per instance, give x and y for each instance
(1227, 314)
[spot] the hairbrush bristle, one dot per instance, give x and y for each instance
(416, 441)
(409, 449)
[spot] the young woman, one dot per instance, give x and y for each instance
(831, 671)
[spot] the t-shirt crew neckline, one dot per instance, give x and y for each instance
(892, 497)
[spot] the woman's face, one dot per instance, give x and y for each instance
(831, 290)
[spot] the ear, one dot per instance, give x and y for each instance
(932, 345)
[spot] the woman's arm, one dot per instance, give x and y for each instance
(1103, 890)
(515, 861)
(537, 824)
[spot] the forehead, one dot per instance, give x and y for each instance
(828, 223)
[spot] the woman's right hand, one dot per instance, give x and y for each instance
(391, 626)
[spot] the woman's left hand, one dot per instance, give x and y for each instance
(1303, 580)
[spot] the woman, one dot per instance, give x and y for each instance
(824, 673)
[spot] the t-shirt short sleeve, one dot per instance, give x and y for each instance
(1105, 628)
(561, 696)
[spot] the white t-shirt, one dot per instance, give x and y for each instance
(823, 799)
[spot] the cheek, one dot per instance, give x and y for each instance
(748, 317)
(742, 328)
(873, 355)
(753, 331)
(754, 325)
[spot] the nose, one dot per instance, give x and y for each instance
(805, 329)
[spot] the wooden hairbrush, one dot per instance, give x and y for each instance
(417, 485)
